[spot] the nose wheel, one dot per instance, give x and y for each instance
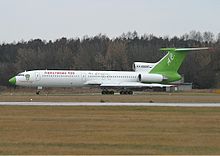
(38, 90)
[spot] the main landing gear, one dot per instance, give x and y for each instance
(126, 92)
(105, 92)
(122, 92)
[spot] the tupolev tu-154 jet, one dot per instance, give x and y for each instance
(145, 75)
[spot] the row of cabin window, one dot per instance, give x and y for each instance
(60, 75)
(88, 76)
(115, 76)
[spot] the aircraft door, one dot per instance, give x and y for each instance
(83, 76)
(108, 76)
(37, 76)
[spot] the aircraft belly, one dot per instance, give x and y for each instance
(55, 82)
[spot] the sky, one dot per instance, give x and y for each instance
(54, 19)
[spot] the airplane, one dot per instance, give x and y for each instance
(144, 75)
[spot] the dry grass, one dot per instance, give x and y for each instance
(144, 97)
(109, 130)
(93, 95)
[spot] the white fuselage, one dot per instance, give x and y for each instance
(73, 78)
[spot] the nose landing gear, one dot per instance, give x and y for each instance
(38, 90)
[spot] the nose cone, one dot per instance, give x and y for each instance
(12, 80)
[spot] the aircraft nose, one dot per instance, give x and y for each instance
(12, 80)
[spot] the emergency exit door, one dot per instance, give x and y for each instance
(37, 76)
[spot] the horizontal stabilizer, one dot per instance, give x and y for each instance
(184, 49)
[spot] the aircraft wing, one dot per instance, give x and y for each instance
(134, 85)
(92, 82)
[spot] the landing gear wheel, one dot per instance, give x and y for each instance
(103, 92)
(107, 92)
(130, 92)
(37, 92)
(111, 92)
(125, 92)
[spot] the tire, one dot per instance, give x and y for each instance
(130, 92)
(112, 92)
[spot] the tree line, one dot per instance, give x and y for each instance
(102, 53)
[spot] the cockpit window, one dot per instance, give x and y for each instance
(20, 75)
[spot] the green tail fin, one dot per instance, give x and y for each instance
(170, 63)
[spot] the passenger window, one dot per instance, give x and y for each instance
(20, 74)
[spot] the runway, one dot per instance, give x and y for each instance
(109, 104)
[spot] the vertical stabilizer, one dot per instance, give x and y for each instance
(171, 62)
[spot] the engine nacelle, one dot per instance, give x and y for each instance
(150, 78)
(142, 66)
